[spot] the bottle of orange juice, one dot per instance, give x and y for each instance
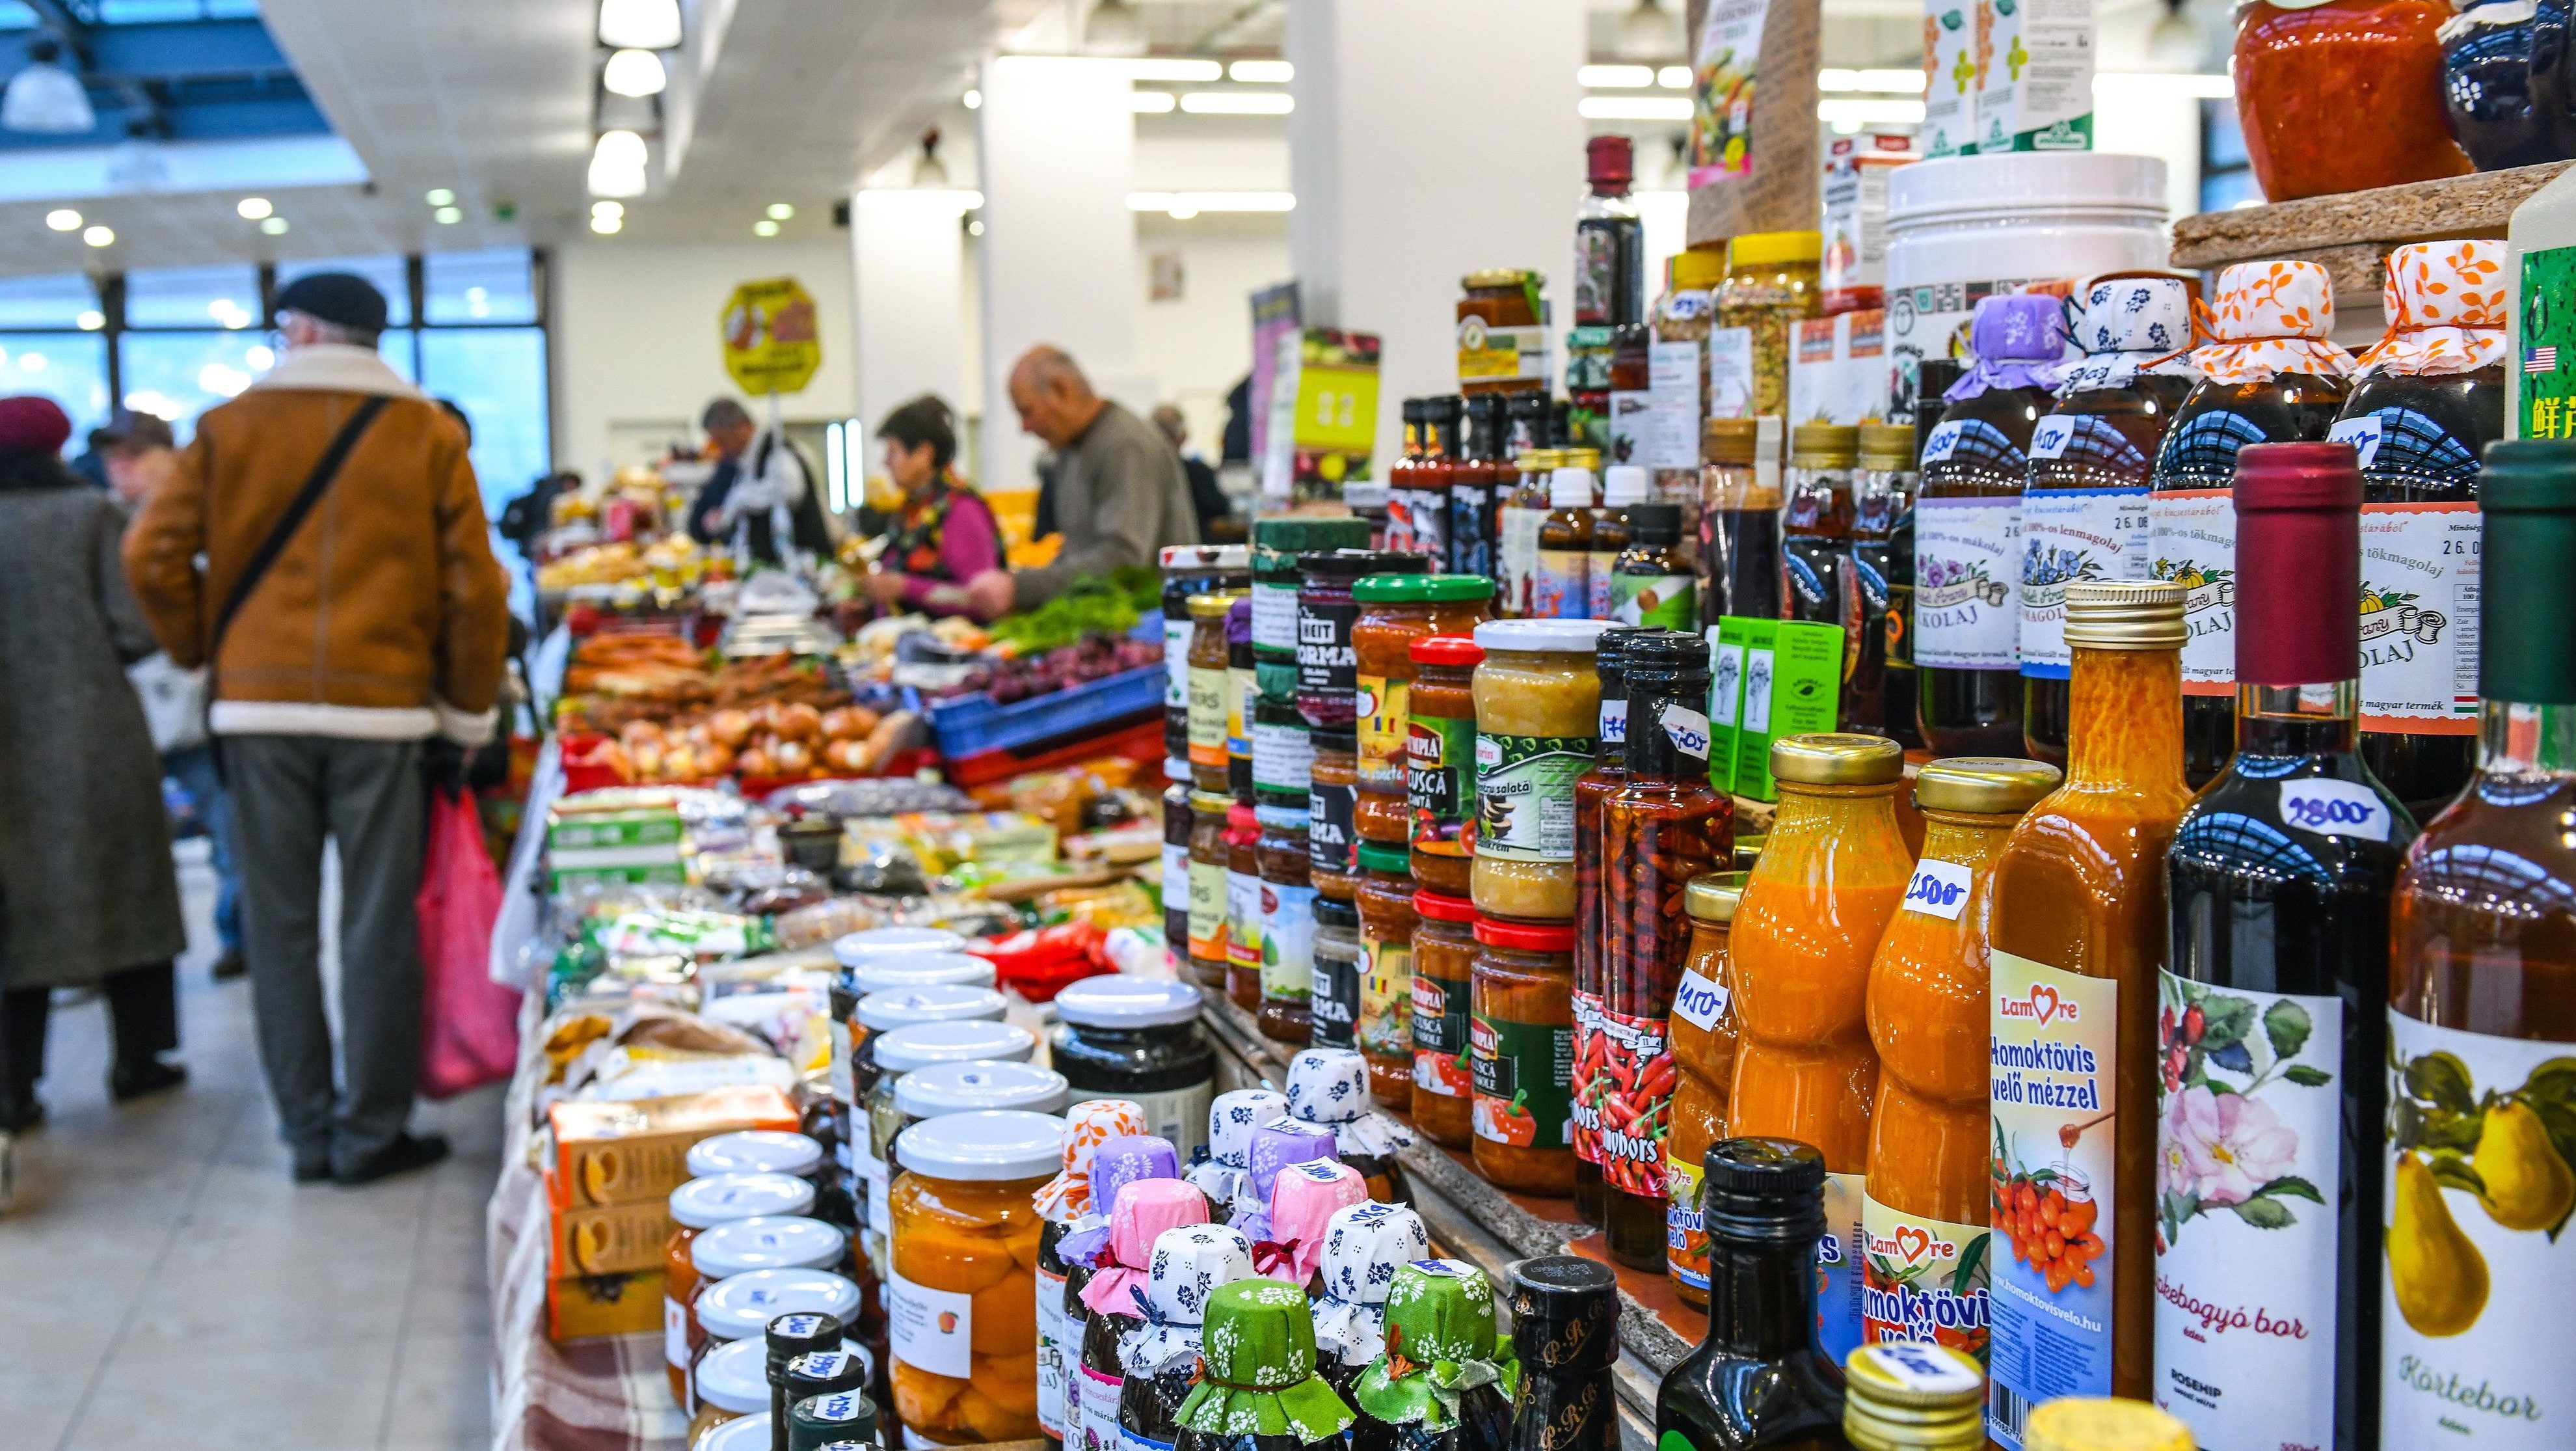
(1818, 900)
(1924, 1265)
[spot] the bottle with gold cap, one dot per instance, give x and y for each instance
(1816, 533)
(1901, 1396)
(2076, 929)
(1703, 1038)
(1925, 1259)
(1879, 696)
(2101, 1423)
(1813, 911)
(1739, 523)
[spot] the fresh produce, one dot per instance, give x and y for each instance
(1094, 657)
(1110, 604)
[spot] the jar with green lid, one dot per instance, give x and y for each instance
(1287, 924)
(1395, 611)
(1210, 854)
(1276, 543)
(1538, 704)
(1327, 659)
(1332, 800)
(1771, 286)
(1341, 961)
(1209, 680)
(1901, 1395)
(1384, 1033)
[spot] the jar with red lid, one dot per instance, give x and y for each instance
(1444, 961)
(1440, 763)
(2342, 95)
(1395, 611)
(1385, 1030)
(1243, 907)
(1521, 1037)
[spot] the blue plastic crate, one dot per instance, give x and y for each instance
(970, 724)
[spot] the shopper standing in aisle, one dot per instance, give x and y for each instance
(943, 534)
(1119, 492)
(1208, 502)
(87, 894)
(760, 483)
(355, 622)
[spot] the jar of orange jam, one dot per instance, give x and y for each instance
(703, 1204)
(961, 1299)
(2342, 95)
(1703, 1040)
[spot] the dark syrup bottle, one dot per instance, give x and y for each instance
(1565, 1330)
(1482, 468)
(1967, 572)
(1759, 1379)
(1739, 523)
(2273, 1009)
(1817, 527)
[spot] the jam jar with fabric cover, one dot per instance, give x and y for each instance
(2504, 85)
(1364, 1245)
(961, 1292)
(2342, 95)
(1260, 1391)
(1222, 1172)
(1138, 1038)
(1445, 1382)
(1276, 1146)
(1159, 1358)
(1141, 1213)
(1329, 1087)
(1303, 1199)
(1068, 1209)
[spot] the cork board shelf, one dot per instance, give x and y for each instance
(2351, 234)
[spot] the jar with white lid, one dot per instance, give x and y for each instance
(767, 1242)
(855, 950)
(856, 1075)
(740, 1309)
(961, 1298)
(697, 1206)
(898, 1052)
(742, 1433)
(733, 1392)
(1138, 1038)
(755, 1151)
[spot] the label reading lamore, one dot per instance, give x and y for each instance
(2249, 1149)
(2483, 1370)
(2419, 618)
(927, 1329)
(1938, 889)
(1924, 1280)
(1967, 572)
(2069, 535)
(2192, 541)
(1525, 795)
(2054, 1073)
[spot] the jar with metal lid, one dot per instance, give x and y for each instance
(1440, 759)
(755, 1151)
(1243, 907)
(945, 1088)
(1771, 286)
(963, 1295)
(738, 1307)
(1384, 1034)
(1176, 863)
(1522, 1003)
(1276, 544)
(1327, 659)
(1444, 959)
(850, 952)
(879, 1014)
(1395, 611)
(1138, 1039)
(1240, 692)
(1287, 924)
(1538, 714)
(1210, 854)
(1332, 803)
(1190, 569)
(1522, 508)
(1703, 1044)
(733, 1391)
(1209, 681)
(1340, 962)
(1502, 331)
(900, 1052)
(1739, 521)
(699, 1205)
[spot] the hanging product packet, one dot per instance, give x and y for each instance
(1303, 1201)
(1364, 1246)
(1275, 1146)
(1443, 1369)
(1222, 1174)
(1259, 1359)
(1328, 1087)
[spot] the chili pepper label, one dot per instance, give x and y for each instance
(1525, 795)
(1838, 1295)
(1287, 941)
(1628, 1083)
(1685, 1230)
(1383, 744)
(1923, 1280)
(1440, 779)
(1386, 1001)
(1440, 1036)
(1521, 1071)
(1585, 1113)
(1331, 844)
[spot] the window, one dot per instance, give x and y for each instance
(193, 297)
(46, 302)
(477, 288)
(70, 368)
(2226, 174)
(179, 375)
(498, 376)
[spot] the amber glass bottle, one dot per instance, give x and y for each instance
(1967, 572)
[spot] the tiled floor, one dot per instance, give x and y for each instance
(163, 1283)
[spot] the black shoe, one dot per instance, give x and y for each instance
(313, 1170)
(231, 965)
(20, 1112)
(149, 1077)
(406, 1153)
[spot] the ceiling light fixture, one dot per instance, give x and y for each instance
(1238, 103)
(252, 208)
(781, 211)
(99, 236)
(636, 73)
(1634, 108)
(1114, 28)
(607, 208)
(617, 165)
(606, 224)
(448, 216)
(63, 219)
(1614, 77)
(90, 321)
(274, 226)
(45, 99)
(1649, 32)
(1674, 77)
(440, 196)
(639, 24)
(764, 228)
(1152, 103)
(1171, 68)
(975, 227)
(1262, 72)
(972, 100)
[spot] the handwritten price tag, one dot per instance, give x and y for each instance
(1699, 1000)
(1943, 441)
(2050, 439)
(1939, 889)
(2334, 808)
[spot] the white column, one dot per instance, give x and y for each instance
(1057, 140)
(1431, 138)
(907, 258)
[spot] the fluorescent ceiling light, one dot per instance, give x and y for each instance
(1180, 203)
(44, 99)
(63, 219)
(1633, 108)
(639, 24)
(274, 226)
(1238, 103)
(439, 196)
(605, 224)
(252, 208)
(1674, 77)
(99, 236)
(764, 228)
(2145, 84)
(1870, 113)
(1906, 82)
(634, 73)
(1170, 68)
(1614, 77)
(448, 216)
(90, 321)
(780, 211)
(1152, 103)
(1262, 72)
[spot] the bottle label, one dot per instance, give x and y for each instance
(2544, 387)
(1471, 528)
(1841, 1288)
(2480, 1267)
(1100, 1410)
(1274, 619)
(1923, 1281)
(1207, 911)
(1386, 1001)
(1525, 795)
(2419, 618)
(927, 1329)
(1521, 1072)
(1243, 919)
(2054, 1078)
(1601, 592)
(1516, 595)
(1700, 1001)
(2334, 808)
(1283, 758)
(1326, 662)
(675, 1339)
(1614, 722)
(1053, 1330)
(1242, 692)
(1207, 716)
(1662, 601)
(2362, 433)
(1967, 564)
(1334, 1000)
(1564, 587)
(1287, 942)
(2249, 1145)
(2069, 535)
(1626, 1095)
(1440, 1036)
(1417, 522)
(1938, 889)
(1176, 663)
(1382, 710)
(1730, 372)
(2192, 541)
(1176, 894)
(1331, 844)
(1685, 1232)
(1583, 1119)
(1669, 436)
(1487, 353)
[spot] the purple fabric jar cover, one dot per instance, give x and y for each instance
(1116, 1163)
(2015, 341)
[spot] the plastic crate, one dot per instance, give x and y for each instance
(1141, 743)
(970, 725)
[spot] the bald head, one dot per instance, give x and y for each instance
(1053, 398)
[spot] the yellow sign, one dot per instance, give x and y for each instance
(1336, 407)
(771, 341)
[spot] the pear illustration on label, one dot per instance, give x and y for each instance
(2437, 1275)
(2527, 1185)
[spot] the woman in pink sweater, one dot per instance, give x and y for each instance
(944, 534)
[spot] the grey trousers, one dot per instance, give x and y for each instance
(288, 793)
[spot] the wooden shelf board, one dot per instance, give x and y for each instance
(2352, 233)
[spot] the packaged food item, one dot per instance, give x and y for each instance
(1677, 379)
(961, 1299)
(1277, 1146)
(1818, 525)
(733, 1389)
(1327, 656)
(1771, 285)
(1341, 962)
(1502, 332)
(1760, 1378)
(1444, 955)
(1440, 759)
(1067, 1207)
(1523, 505)
(1739, 520)
(699, 1205)
(1703, 1038)
(1159, 1359)
(2343, 96)
(1287, 925)
(1609, 768)
(1623, 487)
(1258, 1355)
(1241, 689)
(1651, 583)
(1440, 1313)
(1396, 611)
(879, 1013)
(1364, 1245)
(1881, 696)
(1538, 706)
(1565, 547)
(2036, 93)
(1210, 857)
(1136, 1038)
(1325, 1090)
(2105, 1423)
(1303, 1199)
(1209, 691)
(1190, 569)
(626, 1153)
(1243, 907)
(1521, 1038)
(1417, 509)
(1921, 1397)
(1140, 1215)
(1332, 803)
(1384, 1030)
(735, 1312)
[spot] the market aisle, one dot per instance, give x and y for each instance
(162, 1281)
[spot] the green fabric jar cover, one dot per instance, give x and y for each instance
(1259, 1364)
(1440, 1343)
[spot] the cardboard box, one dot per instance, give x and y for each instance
(2035, 75)
(608, 1239)
(595, 830)
(630, 1153)
(586, 1307)
(1952, 30)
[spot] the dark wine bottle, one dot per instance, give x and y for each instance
(2273, 1008)
(1759, 1379)
(1565, 1328)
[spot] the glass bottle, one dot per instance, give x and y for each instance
(2483, 970)
(2077, 928)
(1524, 506)
(1484, 468)
(1417, 505)
(1759, 1379)
(1771, 286)
(2092, 462)
(1901, 1396)
(1663, 826)
(1609, 769)
(1924, 1254)
(1967, 531)
(1438, 1313)
(1651, 583)
(1243, 907)
(1609, 239)
(1879, 696)
(1208, 663)
(1817, 528)
(1565, 1329)
(1623, 487)
(2429, 401)
(1704, 1032)
(1364, 1246)
(1565, 548)
(1819, 899)
(2271, 1009)
(2271, 377)
(1287, 925)
(1158, 1360)
(1739, 521)
(1242, 692)
(1678, 380)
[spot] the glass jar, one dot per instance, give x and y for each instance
(1522, 1003)
(1138, 1039)
(1771, 286)
(1283, 754)
(1608, 770)
(1881, 694)
(702, 1204)
(919, 1046)
(1210, 855)
(1502, 332)
(945, 1088)
(1703, 1038)
(1332, 803)
(732, 1385)
(1243, 907)
(1327, 659)
(1652, 582)
(1538, 707)
(1522, 505)
(1685, 314)
(1440, 769)
(1190, 569)
(1276, 543)
(737, 1309)
(1385, 1028)
(1241, 690)
(1444, 960)
(1341, 961)
(1208, 691)
(2343, 95)
(1287, 925)
(964, 1281)
(1739, 523)
(851, 953)
(881, 1013)
(1176, 864)
(1816, 529)
(1395, 611)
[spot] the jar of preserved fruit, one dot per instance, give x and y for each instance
(1771, 286)
(1241, 690)
(1522, 1037)
(2343, 95)
(1440, 764)
(920, 1046)
(1340, 963)
(1444, 960)
(733, 1386)
(1210, 855)
(1138, 1038)
(1395, 611)
(1176, 864)
(1703, 1037)
(857, 953)
(1608, 770)
(1332, 802)
(1502, 332)
(699, 1205)
(963, 1295)
(1287, 925)
(1208, 691)
(1538, 707)
(1328, 662)
(1243, 907)
(945, 1088)
(1190, 569)
(880, 1013)
(1385, 1028)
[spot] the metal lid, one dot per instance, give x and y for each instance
(1988, 785)
(1210, 608)
(990, 1145)
(2125, 615)
(1211, 803)
(1728, 441)
(1823, 446)
(1763, 249)
(1900, 1394)
(1887, 446)
(2102, 1423)
(1551, 637)
(1835, 758)
(946, 1088)
(741, 1308)
(1711, 896)
(1398, 589)
(1503, 277)
(754, 1151)
(767, 1242)
(1115, 1000)
(921, 969)
(724, 1198)
(943, 1003)
(966, 1040)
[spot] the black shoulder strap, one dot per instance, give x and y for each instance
(316, 484)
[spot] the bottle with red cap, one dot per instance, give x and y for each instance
(2272, 1014)
(1609, 240)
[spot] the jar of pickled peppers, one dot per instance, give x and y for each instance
(962, 1297)
(1444, 959)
